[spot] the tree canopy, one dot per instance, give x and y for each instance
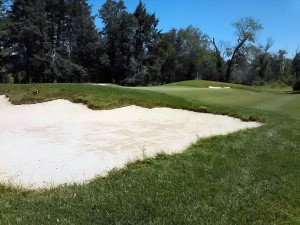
(57, 41)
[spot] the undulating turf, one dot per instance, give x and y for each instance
(248, 177)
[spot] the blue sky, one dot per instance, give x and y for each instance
(280, 18)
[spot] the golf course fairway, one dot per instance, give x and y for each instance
(247, 177)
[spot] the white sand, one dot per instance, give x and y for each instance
(101, 84)
(212, 87)
(57, 142)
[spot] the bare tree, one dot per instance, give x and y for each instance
(219, 58)
(270, 43)
(224, 47)
(246, 29)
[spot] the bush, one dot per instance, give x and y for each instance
(5, 77)
(296, 86)
(139, 78)
(8, 79)
(278, 84)
(238, 82)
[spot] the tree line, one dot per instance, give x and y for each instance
(45, 41)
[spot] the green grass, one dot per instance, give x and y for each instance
(205, 84)
(264, 99)
(248, 177)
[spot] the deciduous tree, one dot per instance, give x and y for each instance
(246, 29)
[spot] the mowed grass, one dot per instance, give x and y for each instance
(248, 177)
(264, 99)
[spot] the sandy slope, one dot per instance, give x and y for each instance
(61, 142)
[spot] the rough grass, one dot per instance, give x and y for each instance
(248, 177)
(108, 97)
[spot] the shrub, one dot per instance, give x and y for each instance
(8, 79)
(296, 86)
(237, 82)
(278, 84)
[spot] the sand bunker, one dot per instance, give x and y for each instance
(57, 142)
(212, 87)
(101, 84)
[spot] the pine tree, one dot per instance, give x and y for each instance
(26, 37)
(296, 65)
(145, 64)
(52, 40)
(118, 31)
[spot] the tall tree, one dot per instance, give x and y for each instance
(82, 37)
(2, 31)
(145, 35)
(118, 31)
(52, 40)
(168, 47)
(263, 59)
(296, 64)
(56, 41)
(185, 50)
(191, 45)
(219, 61)
(246, 29)
(26, 36)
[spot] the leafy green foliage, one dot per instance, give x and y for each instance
(296, 64)
(7, 78)
(52, 41)
(47, 39)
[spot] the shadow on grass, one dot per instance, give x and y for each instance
(292, 92)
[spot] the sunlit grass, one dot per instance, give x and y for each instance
(248, 177)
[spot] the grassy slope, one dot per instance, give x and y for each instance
(247, 177)
(266, 99)
(206, 84)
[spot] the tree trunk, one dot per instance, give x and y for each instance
(230, 62)
(28, 72)
(219, 60)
